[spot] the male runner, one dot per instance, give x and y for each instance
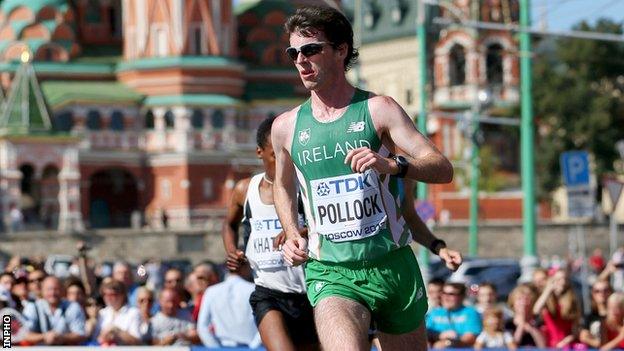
(337, 143)
(281, 309)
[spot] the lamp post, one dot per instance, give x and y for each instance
(482, 101)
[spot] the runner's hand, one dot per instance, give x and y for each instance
(453, 259)
(235, 260)
(364, 158)
(279, 240)
(295, 251)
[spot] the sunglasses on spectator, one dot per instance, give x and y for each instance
(36, 280)
(450, 293)
(306, 50)
(144, 300)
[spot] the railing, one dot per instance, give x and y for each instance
(150, 140)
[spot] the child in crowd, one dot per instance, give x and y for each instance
(493, 335)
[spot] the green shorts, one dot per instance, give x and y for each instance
(390, 286)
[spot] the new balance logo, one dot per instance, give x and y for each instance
(356, 127)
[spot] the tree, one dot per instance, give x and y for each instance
(579, 101)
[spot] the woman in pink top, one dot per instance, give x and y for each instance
(560, 311)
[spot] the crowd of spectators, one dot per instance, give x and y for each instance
(159, 305)
(545, 312)
(151, 305)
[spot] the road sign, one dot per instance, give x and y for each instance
(575, 168)
(614, 188)
(576, 178)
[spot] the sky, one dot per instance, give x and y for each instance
(563, 14)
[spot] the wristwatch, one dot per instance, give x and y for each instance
(402, 164)
(436, 246)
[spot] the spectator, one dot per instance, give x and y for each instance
(122, 273)
(590, 331)
(434, 293)
(597, 261)
(613, 325)
(615, 270)
(35, 278)
(172, 325)
(92, 308)
(487, 298)
(560, 310)
(206, 275)
(53, 320)
(16, 218)
(75, 292)
(617, 261)
(225, 318)
(7, 280)
(20, 290)
(539, 278)
(174, 278)
(118, 323)
(453, 324)
(493, 334)
(524, 326)
(145, 301)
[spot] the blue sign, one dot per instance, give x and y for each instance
(425, 210)
(575, 168)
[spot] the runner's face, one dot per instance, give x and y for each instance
(267, 155)
(320, 69)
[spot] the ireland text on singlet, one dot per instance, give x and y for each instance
(351, 216)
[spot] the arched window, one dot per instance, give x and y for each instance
(494, 64)
(63, 122)
(114, 19)
(117, 121)
(94, 120)
(149, 120)
(169, 119)
(218, 119)
(457, 65)
(197, 119)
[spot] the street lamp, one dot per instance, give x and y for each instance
(482, 101)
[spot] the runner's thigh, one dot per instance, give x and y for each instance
(342, 324)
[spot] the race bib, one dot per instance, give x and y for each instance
(260, 249)
(348, 207)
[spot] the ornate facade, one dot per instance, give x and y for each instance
(153, 106)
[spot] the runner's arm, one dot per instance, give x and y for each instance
(426, 163)
(421, 232)
(295, 249)
(232, 223)
(284, 187)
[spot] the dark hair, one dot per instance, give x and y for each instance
(75, 282)
(436, 281)
(461, 288)
(264, 129)
(336, 27)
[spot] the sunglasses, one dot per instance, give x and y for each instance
(36, 280)
(306, 50)
(450, 293)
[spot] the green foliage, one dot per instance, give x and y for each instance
(578, 94)
(490, 180)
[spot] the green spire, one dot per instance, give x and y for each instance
(25, 111)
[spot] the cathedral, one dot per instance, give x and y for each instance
(142, 113)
